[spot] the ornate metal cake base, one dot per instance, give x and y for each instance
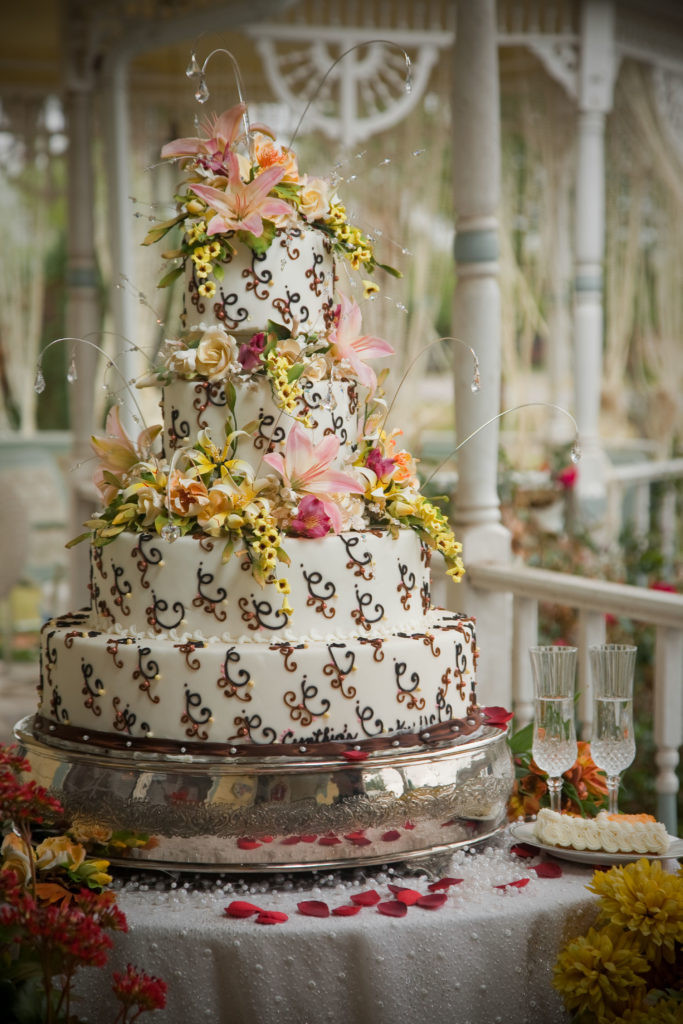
(277, 813)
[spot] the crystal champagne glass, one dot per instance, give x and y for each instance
(613, 746)
(554, 745)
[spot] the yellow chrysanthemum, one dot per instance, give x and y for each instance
(644, 899)
(601, 973)
(664, 1011)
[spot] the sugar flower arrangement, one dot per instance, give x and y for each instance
(230, 194)
(626, 968)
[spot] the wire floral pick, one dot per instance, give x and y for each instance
(575, 453)
(40, 384)
(195, 70)
(476, 378)
(407, 84)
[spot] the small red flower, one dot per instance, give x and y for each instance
(136, 989)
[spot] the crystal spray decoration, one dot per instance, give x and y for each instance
(39, 382)
(193, 67)
(170, 532)
(72, 372)
(575, 453)
(408, 84)
(202, 93)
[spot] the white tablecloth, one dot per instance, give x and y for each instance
(485, 956)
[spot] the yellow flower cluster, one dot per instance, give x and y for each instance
(287, 393)
(615, 974)
(436, 525)
(265, 547)
(356, 247)
(203, 257)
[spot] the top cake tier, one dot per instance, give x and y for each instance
(291, 283)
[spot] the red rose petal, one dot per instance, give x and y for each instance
(329, 841)
(240, 908)
(391, 836)
(409, 826)
(346, 911)
(444, 883)
(358, 834)
(308, 838)
(266, 839)
(248, 844)
(407, 896)
(361, 841)
(392, 908)
(271, 917)
(433, 901)
(366, 899)
(355, 755)
(524, 850)
(290, 841)
(313, 908)
(548, 869)
(519, 883)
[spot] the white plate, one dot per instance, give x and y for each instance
(524, 832)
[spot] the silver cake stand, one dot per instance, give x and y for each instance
(277, 813)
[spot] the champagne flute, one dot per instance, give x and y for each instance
(613, 746)
(554, 745)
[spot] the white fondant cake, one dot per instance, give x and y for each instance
(611, 833)
(260, 571)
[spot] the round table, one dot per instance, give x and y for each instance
(486, 955)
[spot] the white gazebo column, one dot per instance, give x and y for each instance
(83, 312)
(597, 71)
(476, 320)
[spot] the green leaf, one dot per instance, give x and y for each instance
(283, 556)
(218, 271)
(158, 232)
(521, 740)
(390, 270)
(77, 540)
(295, 372)
(279, 330)
(227, 551)
(171, 276)
(261, 243)
(230, 395)
(287, 190)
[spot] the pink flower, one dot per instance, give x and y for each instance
(305, 469)
(221, 135)
(250, 352)
(380, 466)
(311, 519)
(349, 344)
(566, 478)
(117, 452)
(242, 207)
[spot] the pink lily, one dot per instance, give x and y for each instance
(118, 453)
(305, 469)
(240, 207)
(349, 344)
(311, 519)
(221, 135)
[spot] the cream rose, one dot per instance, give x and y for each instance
(150, 503)
(182, 361)
(15, 856)
(289, 349)
(317, 369)
(215, 353)
(315, 199)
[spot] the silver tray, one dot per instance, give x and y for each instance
(278, 813)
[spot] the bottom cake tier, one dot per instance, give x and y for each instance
(182, 695)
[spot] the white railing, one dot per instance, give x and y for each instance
(638, 478)
(594, 599)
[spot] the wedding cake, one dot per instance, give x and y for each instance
(260, 569)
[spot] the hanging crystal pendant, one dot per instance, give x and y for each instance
(170, 532)
(575, 453)
(72, 372)
(476, 383)
(39, 382)
(408, 84)
(202, 93)
(193, 67)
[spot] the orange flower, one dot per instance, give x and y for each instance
(187, 496)
(585, 776)
(526, 796)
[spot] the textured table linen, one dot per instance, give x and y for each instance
(485, 956)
